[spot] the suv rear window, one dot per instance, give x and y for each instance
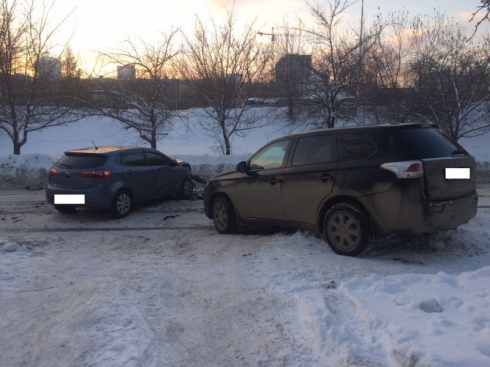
(428, 143)
(81, 161)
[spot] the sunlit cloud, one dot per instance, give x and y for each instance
(467, 15)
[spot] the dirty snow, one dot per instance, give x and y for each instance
(163, 288)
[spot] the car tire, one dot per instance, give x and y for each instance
(347, 229)
(186, 189)
(65, 209)
(224, 216)
(122, 204)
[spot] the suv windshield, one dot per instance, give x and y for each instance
(82, 161)
(428, 143)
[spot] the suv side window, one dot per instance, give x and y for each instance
(272, 156)
(133, 159)
(157, 159)
(353, 146)
(314, 149)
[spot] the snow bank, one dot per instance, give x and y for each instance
(186, 140)
(17, 171)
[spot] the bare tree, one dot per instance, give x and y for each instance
(386, 67)
(222, 70)
(485, 7)
(451, 73)
(29, 95)
(144, 97)
(337, 78)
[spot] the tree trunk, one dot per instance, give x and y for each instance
(227, 144)
(16, 142)
(153, 142)
(17, 146)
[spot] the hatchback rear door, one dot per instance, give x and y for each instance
(71, 166)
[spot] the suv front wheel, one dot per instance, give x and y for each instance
(224, 216)
(347, 229)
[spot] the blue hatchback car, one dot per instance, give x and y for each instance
(115, 178)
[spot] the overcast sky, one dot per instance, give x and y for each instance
(102, 24)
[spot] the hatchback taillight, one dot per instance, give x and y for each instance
(406, 169)
(100, 174)
(52, 172)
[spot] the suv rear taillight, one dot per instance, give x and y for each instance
(407, 169)
(52, 172)
(100, 174)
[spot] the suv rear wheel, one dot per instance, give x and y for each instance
(122, 204)
(224, 216)
(347, 229)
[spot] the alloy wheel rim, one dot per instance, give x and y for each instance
(220, 216)
(123, 204)
(344, 231)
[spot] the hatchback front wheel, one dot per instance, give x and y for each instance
(186, 189)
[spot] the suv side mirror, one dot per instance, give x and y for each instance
(241, 167)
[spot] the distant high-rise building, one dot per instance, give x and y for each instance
(48, 67)
(126, 72)
(293, 68)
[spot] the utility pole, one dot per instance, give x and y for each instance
(360, 36)
(359, 67)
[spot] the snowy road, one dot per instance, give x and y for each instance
(163, 288)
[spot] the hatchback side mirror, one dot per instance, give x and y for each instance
(241, 167)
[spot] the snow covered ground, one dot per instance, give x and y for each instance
(163, 288)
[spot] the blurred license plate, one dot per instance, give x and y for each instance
(457, 173)
(69, 199)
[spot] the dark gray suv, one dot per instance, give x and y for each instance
(115, 178)
(355, 184)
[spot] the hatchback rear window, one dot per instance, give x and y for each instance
(81, 161)
(428, 143)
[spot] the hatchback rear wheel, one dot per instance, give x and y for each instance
(347, 229)
(224, 216)
(122, 204)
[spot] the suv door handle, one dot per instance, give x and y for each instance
(274, 180)
(130, 172)
(325, 177)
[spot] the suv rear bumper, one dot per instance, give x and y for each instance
(404, 209)
(448, 214)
